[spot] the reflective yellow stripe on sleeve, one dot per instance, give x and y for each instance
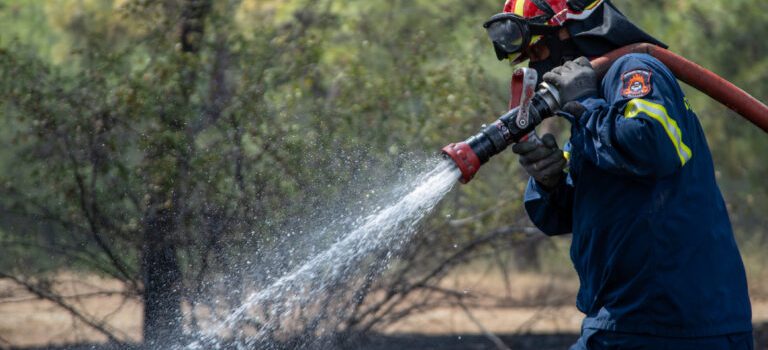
(659, 113)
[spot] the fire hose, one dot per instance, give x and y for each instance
(519, 122)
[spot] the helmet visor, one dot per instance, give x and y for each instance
(512, 34)
(508, 37)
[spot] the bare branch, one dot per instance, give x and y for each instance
(66, 297)
(87, 209)
(488, 334)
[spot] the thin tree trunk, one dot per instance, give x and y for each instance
(163, 319)
(162, 284)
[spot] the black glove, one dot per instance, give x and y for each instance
(543, 161)
(573, 80)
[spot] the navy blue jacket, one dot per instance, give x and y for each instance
(652, 242)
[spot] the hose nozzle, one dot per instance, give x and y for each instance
(465, 158)
(510, 128)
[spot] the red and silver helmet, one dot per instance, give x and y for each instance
(523, 22)
(558, 11)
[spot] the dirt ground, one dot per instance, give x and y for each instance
(27, 322)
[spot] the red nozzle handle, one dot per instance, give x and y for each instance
(465, 158)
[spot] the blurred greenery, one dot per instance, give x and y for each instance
(287, 107)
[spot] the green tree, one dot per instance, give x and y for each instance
(146, 147)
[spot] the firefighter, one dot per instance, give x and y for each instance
(652, 242)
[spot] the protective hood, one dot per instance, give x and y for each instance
(605, 30)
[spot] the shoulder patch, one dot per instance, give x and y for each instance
(636, 83)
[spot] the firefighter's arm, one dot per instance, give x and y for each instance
(550, 210)
(634, 129)
(547, 198)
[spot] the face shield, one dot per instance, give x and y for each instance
(512, 34)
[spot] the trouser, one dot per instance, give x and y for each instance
(596, 339)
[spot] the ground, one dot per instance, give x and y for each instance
(27, 322)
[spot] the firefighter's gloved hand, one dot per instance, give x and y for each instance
(543, 161)
(573, 80)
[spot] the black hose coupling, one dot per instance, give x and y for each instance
(508, 129)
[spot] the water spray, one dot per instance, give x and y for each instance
(536, 103)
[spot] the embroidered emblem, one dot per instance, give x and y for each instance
(636, 83)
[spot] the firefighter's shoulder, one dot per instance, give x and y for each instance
(636, 75)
